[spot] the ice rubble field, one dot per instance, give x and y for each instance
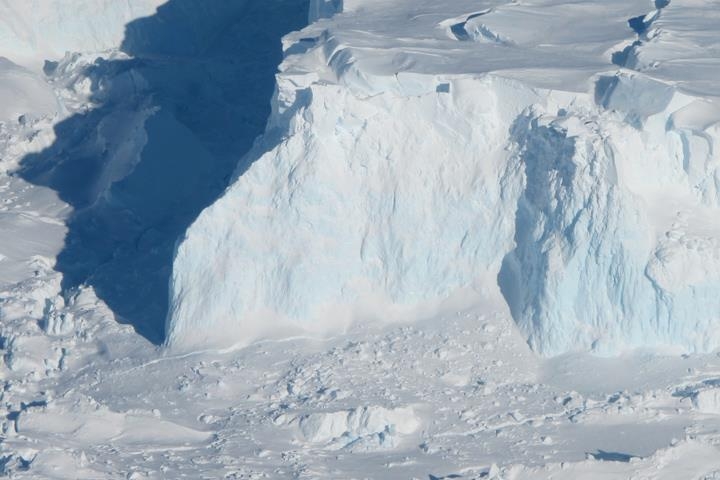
(451, 205)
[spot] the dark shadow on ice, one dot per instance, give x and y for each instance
(168, 129)
(690, 391)
(612, 456)
(446, 477)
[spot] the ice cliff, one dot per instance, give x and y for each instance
(465, 152)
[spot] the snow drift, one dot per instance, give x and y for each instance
(394, 182)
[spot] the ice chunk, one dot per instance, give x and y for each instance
(707, 400)
(363, 427)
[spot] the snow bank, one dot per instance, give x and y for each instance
(86, 421)
(388, 184)
(686, 459)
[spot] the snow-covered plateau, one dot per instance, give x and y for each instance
(359, 239)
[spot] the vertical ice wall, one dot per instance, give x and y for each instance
(379, 196)
(349, 218)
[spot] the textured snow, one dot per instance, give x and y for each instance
(448, 150)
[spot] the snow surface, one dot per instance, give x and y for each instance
(34, 31)
(420, 154)
(550, 143)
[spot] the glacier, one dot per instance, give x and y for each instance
(440, 187)
(408, 171)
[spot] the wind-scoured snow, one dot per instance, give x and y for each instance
(420, 154)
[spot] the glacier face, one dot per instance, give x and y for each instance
(342, 216)
(397, 176)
